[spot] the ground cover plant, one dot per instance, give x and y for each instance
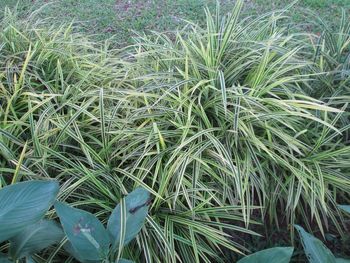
(23, 225)
(238, 127)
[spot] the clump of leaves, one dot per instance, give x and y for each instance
(228, 104)
(214, 121)
(89, 241)
(22, 207)
(77, 131)
(315, 250)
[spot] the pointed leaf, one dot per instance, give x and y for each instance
(23, 204)
(136, 210)
(342, 260)
(315, 250)
(87, 235)
(34, 238)
(271, 255)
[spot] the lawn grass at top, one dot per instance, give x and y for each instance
(303, 11)
(119, 18)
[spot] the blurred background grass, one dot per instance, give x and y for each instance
(119, 18)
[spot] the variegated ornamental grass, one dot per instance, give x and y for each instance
(220, 124)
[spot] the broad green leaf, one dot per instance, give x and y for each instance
(4, 258)
(126, 222)
(345, 208)
(342, 260)
(315, 250)
(35, 238)
(69, 248)
(88, 237)
(23, 204)
(271, 255)
(122, 260)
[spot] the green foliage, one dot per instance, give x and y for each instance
(35, 238)
(272, 255)
(315, 250)
(89, 241)
(87, 235)
(229, 102)
(221, 123)
(332, 62)
(128, 217)
(89, 134)
(24, 204)
(119, 19)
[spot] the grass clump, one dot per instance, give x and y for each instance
(221, 123)
(65, 112)
(236, 91)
